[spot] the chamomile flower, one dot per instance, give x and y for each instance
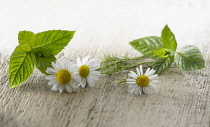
(87, 71)
(140, 82)
(63, 76)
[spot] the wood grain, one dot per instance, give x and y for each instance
(182, 100)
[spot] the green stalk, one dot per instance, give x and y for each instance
(113, 64)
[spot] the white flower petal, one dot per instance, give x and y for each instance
(79, 63)
(150, 73)
(58, 65)
(94, 77)
(95, 73)
(68, 88)
(64, 64)
(148, 90)
(136, 91)
(73, 85)
(94, 66)
(93, 61)
(90, 82)
(68, 64)
(132, 75)
(148, 69)
(152, 87)
(74, 69)
(60, 87)
(50, 77)
(55, 66)
(138, 72)
(55, 87)
(131, 83)
(85, 60)
(76, 78)
(83, 82)
(141, 70)
(51, 71)
(140, 91)
(132, 91)
(154, 81)
(130, 80)
(153, 77)
(52, 82)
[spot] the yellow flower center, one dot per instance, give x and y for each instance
(84, 71)
(142, 81)
(63, 77)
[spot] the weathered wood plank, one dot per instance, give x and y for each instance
(182, 100)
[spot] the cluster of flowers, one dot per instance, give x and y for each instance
(69, 76)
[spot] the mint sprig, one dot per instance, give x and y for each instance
(163, 49)
(36, 49)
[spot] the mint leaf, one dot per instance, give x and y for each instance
(42, 62)
(38, 49)
(168, 38)
(52, 42)
(148, 45)
(189, 58)
(26, 40)
(164, 52)
(21, 66)
(161, 64)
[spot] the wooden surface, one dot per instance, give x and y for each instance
(106, 27)
(182, 100)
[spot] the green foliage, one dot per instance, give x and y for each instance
(162, 63)
(168, 38)
(189, 58)
(54, 41)
(36, 49)
(21, 66)
(148, 45)
(112, 64)
(26, 40)
(42, 62)
(163, 50)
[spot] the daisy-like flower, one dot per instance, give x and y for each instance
(87, 71)
(140, 82)
(63, 76)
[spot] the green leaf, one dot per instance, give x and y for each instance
(164, 52)
(161, 64)
(168, 38)
(52, 42)
(189, 58)
(21, 66)
(148, 45)
(26, 40)
(42, 62)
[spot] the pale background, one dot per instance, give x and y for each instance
(105, 23)
(106, 27)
